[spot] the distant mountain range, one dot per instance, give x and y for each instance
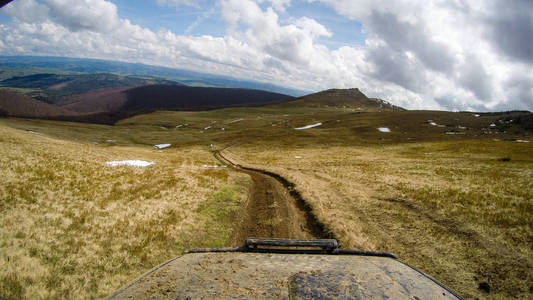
(76, 93)
(59, 88)
(27, 65)
(108, 105)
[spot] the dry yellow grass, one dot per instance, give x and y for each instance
(450, 208)
(72, 227)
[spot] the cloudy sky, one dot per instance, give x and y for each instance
(447, 54)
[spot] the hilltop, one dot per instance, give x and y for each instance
(342, 98)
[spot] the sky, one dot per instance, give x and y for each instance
(472, 55)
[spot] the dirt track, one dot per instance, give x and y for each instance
(273, 209)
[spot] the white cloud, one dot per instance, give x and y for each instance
(27, 11)
(278, 5)
(291, 46)
(418, 54)
(312, 27)
(193, 3)
(94, 15)
(443, 50)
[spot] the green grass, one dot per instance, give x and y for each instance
(218, 212)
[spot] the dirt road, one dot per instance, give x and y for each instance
(273, 209)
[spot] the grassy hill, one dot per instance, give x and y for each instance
(171, 97)
(17, 105)
(98, 101)
(344, 99)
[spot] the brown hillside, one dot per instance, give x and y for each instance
(17, 105)
(176, 97)
(101, 100)
(342, 98)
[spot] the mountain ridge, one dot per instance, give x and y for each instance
(351, 98)
(87, 66)
(108, 105)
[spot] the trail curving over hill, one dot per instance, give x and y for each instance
(273, 209)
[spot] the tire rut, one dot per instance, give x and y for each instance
(273, 209)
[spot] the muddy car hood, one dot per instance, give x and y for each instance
(240, 275)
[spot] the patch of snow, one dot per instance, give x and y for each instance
(432, 123)
(163, 127)
(297, 156)
(34, 132)
(110, 141)
(461, 127)
(454, 132)
(178, 126)
(162, 146)
(308, 126)
(223, 128)
(384, 129)
(235, 121)
(475, 115)
(213, 166)
(207, 127)
(522, 141)
(492, 125)
(133, 163)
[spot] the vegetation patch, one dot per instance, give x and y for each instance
(72, 227)
(217, 212)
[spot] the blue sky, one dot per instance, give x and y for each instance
(176, 18)
(204, 18)
(430, 54)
